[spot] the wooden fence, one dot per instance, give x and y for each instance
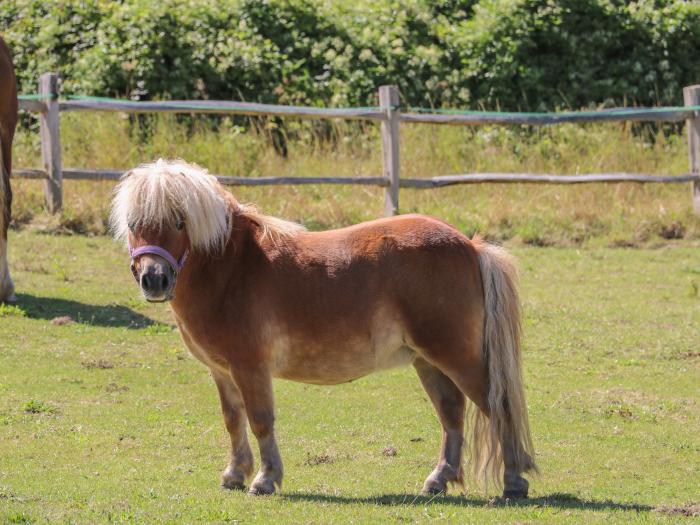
(388, 114)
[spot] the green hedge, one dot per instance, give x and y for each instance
(507, 54)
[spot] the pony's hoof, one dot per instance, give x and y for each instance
(433, 488)
(515, 494)
(231, 484)
(516, 488)
(262, 486)
(7, 287)
(233, 479)
(439, 480)
(8, 296)
(261, 491)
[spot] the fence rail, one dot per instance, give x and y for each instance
(479, 118)
(49, 107)
(220, 107)
(432, 182)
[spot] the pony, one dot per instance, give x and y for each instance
(256, 298)
(8, 122)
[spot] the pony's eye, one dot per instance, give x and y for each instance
(180, 224)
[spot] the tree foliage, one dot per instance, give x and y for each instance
(507, 54)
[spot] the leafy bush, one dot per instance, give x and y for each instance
(508, 54)
(541, 54)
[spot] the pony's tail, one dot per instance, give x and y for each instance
(505, 424)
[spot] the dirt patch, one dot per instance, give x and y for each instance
(688, 355)
(623, 243)
(6, 493)
(101, 364)
(673, 230)
(317, 459)
(389, 451)
(114, 387)
(689, 510)
(628, 404)
(62, 320)
(619, 409)
(540, 241)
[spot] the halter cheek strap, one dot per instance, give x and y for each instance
(175, 265)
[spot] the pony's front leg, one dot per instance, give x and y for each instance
(255, 386)
(240, 466)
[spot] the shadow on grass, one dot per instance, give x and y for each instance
(112, 315)
(556, 500)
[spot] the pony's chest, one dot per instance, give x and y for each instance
(200, 348)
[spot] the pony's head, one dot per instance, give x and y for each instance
(162, 210)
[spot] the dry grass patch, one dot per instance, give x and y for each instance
(540, 215)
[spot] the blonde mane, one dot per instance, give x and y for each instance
(269, 226)
(159, 194)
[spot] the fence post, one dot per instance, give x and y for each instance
(389, 99)
(691, 97)
(51, 142)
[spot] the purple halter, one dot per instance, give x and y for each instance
(175, 265)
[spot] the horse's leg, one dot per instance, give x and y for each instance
(514, 484)
(240, 466)
(7, 288)
(449, 404)
(255, 386)
(471, 377)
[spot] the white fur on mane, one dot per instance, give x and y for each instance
(158, 194)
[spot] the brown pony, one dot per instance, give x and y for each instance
(256, 297)
(8, 121)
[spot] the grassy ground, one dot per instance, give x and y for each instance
(107, 418)
(619, 214)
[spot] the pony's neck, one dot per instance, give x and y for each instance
(207, 277)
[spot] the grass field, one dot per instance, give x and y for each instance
(108, 419)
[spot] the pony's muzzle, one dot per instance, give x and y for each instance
(154, 282)
(157, 280)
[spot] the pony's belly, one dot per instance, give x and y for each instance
(336, 357)
(331, 368)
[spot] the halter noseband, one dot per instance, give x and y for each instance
(175, 265)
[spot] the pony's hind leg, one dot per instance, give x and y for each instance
(514, 484)
(449, 403)
(472, 379)
(240, 466)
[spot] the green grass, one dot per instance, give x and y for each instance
(603, 214)
(108, 419)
